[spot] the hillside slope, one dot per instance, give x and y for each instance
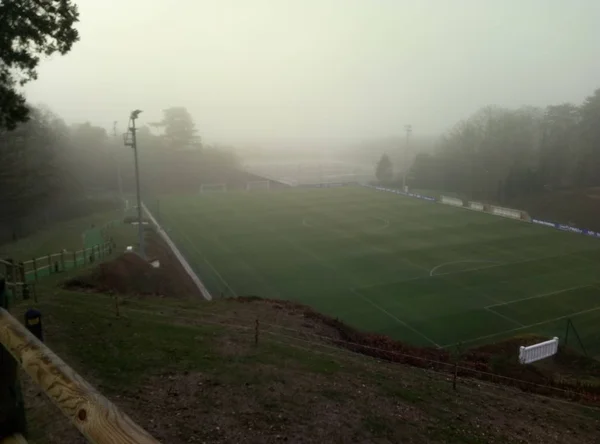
(191, 372)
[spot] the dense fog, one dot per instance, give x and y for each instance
(500, 97)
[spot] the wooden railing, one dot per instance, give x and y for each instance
(99, 420)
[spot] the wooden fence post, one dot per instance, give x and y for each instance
(98, 419)
(455, 375)
(22, 271)
(12, 410)
(35, 269)
(62, 260)
(457, 355)
(15, 277)
(23, 279)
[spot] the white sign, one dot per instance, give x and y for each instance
(451, 201)
(538, 351)
(476, 206)
(506, 212)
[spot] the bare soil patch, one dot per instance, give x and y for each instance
(130, 274)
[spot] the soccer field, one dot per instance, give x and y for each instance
(422, 272)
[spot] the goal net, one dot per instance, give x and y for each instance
(257, 185)
(211, 187)
(349, 177)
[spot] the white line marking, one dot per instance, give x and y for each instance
(467, 261)
(480, 338)
(499, 264)
(504, 317)
(538, 296)
(192, 244)
(257, 276)
(401, 322)
(386, 224)
(201, 255)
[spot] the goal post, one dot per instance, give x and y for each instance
(212, 187)
(256, 185)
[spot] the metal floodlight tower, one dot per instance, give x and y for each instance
(408, 129)
(132, 142)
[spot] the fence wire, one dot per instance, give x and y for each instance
(338, 344)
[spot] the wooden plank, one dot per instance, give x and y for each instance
(14, 439)
(12, 410)
(99, 420)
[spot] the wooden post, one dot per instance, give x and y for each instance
(23, 277)
(455, 375)
(12, 410)
(62, 260)
(14, 274)
(99, 420)
(22, 271)
(17, 438)
(117, 305)
(35, 269)
(256, 332)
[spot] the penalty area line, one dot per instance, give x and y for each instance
(466, 261)
(511, 320)
(537, 296)
(197, 251)
(399, 321)
(524, 327)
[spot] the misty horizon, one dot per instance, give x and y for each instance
(321, 73)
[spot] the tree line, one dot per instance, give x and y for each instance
(499, 153)
(51, 170)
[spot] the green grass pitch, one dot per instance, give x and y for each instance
(422, 272)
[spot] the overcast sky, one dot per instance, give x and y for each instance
(278, 70)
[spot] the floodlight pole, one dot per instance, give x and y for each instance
(408, 129)
(133, 144)
(119, 178)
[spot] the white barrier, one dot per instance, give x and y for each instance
(477, 206)
(506, 212)
(184, 263)
(451, 201)
(538, 351)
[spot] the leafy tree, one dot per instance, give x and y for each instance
(28, 30)
(558, 145)
(385, 170)
(179, 129)
(29, 173)
(588, 165)
(88, 157)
